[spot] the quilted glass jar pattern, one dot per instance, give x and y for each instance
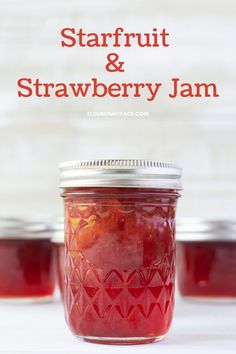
(206, 259)
(27, 271)
(120, 263)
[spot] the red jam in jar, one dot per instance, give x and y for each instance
(26, 261)
(58, 241)
(206, 259)
(60, 258)
(120, 249)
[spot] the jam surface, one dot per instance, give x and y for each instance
(207, 268)
(26, 268)
(120, 262)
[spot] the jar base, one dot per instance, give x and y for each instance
(26, 300)
(212, 299)
(121, 340)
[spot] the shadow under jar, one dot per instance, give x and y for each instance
(120, 249)
(206, 259)
(26, 261)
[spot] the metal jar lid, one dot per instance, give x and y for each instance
(24, 228)
(58, 231)
(196, 229)
(120, 173)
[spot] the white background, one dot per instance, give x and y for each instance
(199, 134)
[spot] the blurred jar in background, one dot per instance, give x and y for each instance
(206, 258)
(58, 241)
(27, 270)
(120, 249)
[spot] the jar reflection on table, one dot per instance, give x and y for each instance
(120, 261)
(27, 270)
(206, 258)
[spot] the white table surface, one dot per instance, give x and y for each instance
(197, 328)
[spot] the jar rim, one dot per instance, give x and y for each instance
(120, 173)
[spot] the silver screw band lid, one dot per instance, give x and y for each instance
(120, 173)
(24, 228)
(196, 229)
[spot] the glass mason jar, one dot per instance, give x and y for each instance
(120, 249)
(58, 241)
(26, 260)
(206, 258)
